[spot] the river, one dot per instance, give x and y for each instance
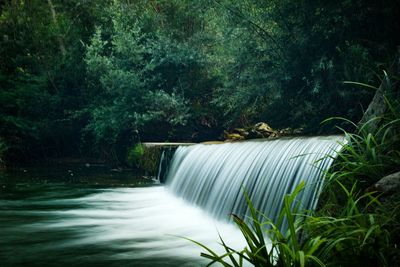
(82, 215)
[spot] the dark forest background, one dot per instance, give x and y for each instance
(82, 78)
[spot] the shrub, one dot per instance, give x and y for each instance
(135, 154)
(150, 159)
(144, 158)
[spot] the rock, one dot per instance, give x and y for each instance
(233, 137)
(259, 130)
(241, 131)
(285, 131)
(263, 128)
(298, 131)
(387, 185)
(253, 134)
(274, 134)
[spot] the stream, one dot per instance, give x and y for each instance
(89, 216)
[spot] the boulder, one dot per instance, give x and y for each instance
(253, 134)
(264, 128)
(274, 134)
(233, 137)
(298, 131)
(387, 185)
(285, 131)
(240, 131)
(259, 130)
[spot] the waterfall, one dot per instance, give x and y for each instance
(213, 176)
(163, 166)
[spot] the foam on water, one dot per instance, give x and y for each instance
(135, 224)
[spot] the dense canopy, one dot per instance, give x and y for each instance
(93, 77)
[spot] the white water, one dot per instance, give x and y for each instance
(136, 224)
(212, 176)
(139, 226)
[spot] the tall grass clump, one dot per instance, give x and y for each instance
(358, 234)
(361, 235)
(373, 150)
(365, 222)
(271, 243)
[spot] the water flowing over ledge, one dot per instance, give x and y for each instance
(212, 176)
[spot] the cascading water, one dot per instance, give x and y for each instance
(212, 176)
(164, 163)
(61, 224)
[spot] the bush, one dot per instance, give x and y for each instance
(144, 158)
(135, 154)
(150, 159)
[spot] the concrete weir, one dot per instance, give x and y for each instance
(166, 144)
(165, 152)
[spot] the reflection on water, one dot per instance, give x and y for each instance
(63, 224)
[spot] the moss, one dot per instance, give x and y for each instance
(144, 158)
(149, 160)
(135, 154)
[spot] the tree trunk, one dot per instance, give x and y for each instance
(376, 108)
(59, 37)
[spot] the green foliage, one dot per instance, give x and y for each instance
(144, 158)
(362, 233)
(369, 154)
(39, 86)
(125, 94)
(359, 233)
(182, 69)
(150, 160)
(352, 226)
(271, 243)
(135, 154)
(3, 149)
(368, 228)
(165, 107)
(283, 61)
